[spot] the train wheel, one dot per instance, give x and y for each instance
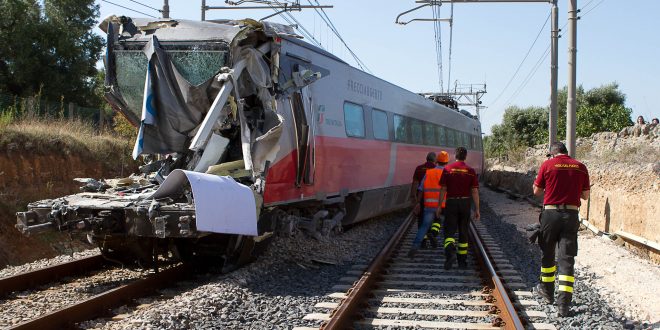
(127, 251)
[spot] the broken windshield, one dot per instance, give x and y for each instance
(194, 64)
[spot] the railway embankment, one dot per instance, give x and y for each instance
(39, 160)
(625, 179)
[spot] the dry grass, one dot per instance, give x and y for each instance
(631, 154)
(63, 136)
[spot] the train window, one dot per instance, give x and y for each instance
(441, 135)
(400, 128)
(379, 121)
(354, 119)
(417, 132)
(451, 138)
(429, 134)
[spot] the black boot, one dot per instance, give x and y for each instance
(450, 256)
(545, 294)
(425, 243)
(563, 310)
(564, 303)
(434, 241)
(462, 261)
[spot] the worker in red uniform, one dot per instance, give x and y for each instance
(564, 181)
(429, 194)
(460, 186)
(420, 171)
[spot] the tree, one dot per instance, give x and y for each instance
(521, 127)
(50, 49)
(601, 109)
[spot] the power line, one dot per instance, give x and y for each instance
(298, 25)
(140, 3)
(137, 11)
(438, 43)
(324, 16)
(523, 60)
(592, 8)
(334, 29)
(545, 54)
(586, 4)
(529, 76)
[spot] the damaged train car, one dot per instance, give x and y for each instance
(246, 130)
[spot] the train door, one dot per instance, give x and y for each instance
(301, 105)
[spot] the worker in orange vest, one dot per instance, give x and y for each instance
(429, 193)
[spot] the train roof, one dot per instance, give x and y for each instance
(141, 29)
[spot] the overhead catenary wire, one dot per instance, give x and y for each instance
(324, 16)
(137, 11)
(360, 62)
(140, 3)
(592, 8)
(545, 54)
(529, 76)
(438, 42)
(586, 4)
(523, 60)
(301, 28)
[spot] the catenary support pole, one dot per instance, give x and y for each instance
(571, 101)
(203, 10)
(554, 34)
(166, 9)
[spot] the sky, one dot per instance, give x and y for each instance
(618, 41)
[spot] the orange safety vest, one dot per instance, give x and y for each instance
(431, 188)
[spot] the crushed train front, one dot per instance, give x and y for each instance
(202, 96)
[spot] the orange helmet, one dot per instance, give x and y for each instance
(443, 157)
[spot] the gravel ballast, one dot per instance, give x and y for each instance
(506, 219)
(295, 273)
(274, 292)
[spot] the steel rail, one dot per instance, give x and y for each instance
(102, 303)
(48, 274)
(508, 312)
(344, 315)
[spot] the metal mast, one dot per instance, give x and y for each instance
(166, 9)
(572, 55)
(552, 121)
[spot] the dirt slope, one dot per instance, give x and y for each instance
(625, 178)
(39, 166)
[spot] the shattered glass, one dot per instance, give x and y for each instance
(194, 65)
(131, 69)
(197, 66)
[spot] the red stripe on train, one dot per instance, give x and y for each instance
(349, 164)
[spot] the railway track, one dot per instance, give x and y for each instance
(49, 274)
(397, 291)
(94, 306)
